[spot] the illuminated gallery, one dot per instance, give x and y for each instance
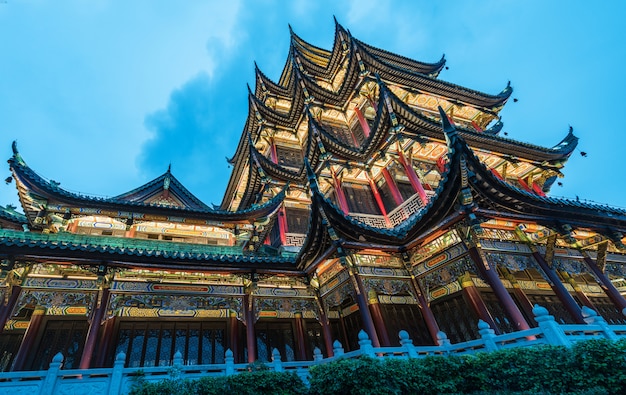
(366, 193)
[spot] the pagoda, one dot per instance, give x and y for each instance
(366, 193)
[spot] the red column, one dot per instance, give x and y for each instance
(606, 284)
(250, 335)
(491, 276)
(579, 292)
(364, 125)
(393, 187)
(341, 197)
(413, 178)
(282, 225)
(366, 316)
(282, 219)
(377, 317)
(328, 337)
(379, 200)
(559, 289)
(234, 335)
(300, 338)
(28, 342)
(427, 313)
(476, 301)
(94, 327)
(519, 293)
(5, 313)
(106, 342)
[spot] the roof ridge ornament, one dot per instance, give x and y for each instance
(16, 154)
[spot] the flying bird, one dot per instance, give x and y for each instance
(559, 183)
(8, 179)
(583, 153)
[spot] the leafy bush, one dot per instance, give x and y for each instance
(595, 367)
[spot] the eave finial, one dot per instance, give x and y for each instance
(448, 129)
(16, 153)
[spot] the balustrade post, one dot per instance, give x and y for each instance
(229, 361)
(487, 335)
(551, 330)
(592, 318)
(443, 342)
(276, 361)
(115, 386)
(52, 374)
(365, 344)
(317, 354)
(337, 348)
(407, 343)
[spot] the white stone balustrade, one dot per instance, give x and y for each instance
(118, 379)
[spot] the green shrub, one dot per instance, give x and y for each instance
(362, 375)
(600, 364)
(596, 367)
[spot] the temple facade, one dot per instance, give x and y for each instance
(366, 193)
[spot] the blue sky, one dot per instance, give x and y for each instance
(103, 95)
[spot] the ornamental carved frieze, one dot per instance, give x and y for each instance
(515, 263)
(382, 271)
(329, 273)
(174, 302)
(447, 274)
(285, 307)
(387, 286)
(339, 295)
(571, 266)
(378, 260)
(616, 269)
(330, 285)
(57, 300)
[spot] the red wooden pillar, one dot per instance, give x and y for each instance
(582, 297)
(282, 219)
(7, 310)
(106, 342)
(250, 334)
(492, 278)
(326, 333)
(606, 284)
(413, 178)
(364, 125)
(341, 197)
(94, 327)
(300, 338)
(234, 335)
(28, 342)
(476, 301)
(427, 313)
(393, 187)
(559, 289)
(377, 317)
(519, 293)
(366, 316)
(379, 200)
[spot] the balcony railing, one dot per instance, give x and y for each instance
(395, 216)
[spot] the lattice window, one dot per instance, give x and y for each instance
(297, 220)
(360, 199)
(289, 156)
(406, 317)
(456, 318)
(155, 343)
(64, 336)
(271, 335)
